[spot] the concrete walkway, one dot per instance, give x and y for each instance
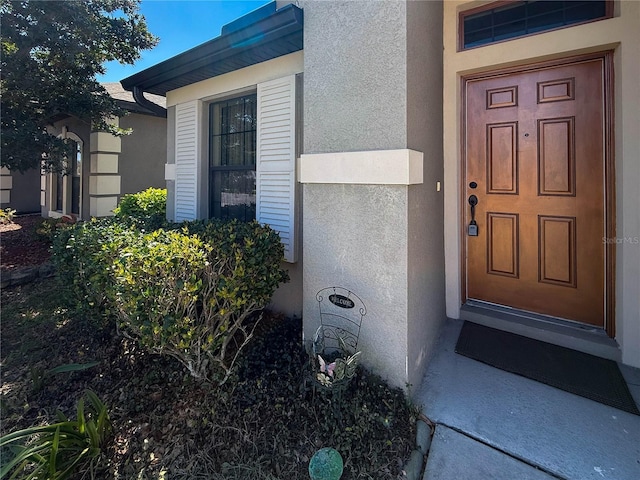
(492, 424)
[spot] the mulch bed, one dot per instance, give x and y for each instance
(20, 246)
(266, 425)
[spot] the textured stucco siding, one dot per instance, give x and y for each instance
(144, 153)
(365, 90)
(426, 310)
(355, 237)
(355, 75)
(24, 196)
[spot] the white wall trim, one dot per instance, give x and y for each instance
(169, 171)
(375, 167)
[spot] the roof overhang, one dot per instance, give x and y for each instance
(269, 34)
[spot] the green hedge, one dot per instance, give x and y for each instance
(146, 209)
(84, 255)
(191, 290)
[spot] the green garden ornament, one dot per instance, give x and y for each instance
(326, 464)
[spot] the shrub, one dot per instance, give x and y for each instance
(6, 216)
(84, 254)
(194, 293)
(55, 451)
(146, 209)
(48, 227)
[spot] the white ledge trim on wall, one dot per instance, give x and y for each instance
(374, 167)
(170, 171)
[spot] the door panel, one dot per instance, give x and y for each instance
(535, 148)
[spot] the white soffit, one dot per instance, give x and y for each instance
(375, 167)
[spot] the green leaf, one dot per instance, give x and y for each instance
(71, 367)
(92, 432)
(55, 52)
(81, 419)
(54, 453)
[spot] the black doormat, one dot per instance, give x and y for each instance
(582, 374)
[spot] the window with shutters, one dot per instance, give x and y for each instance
(250, 170)
(232, 158)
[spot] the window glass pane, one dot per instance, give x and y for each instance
(509, 13)
(234, 194)
(250, 113)
(76, 166)
(238, 149)
(215, 149)
(232, 158)
(583, 11)
(472, 39)
(233, 126)
(545, 7)
(522, 18)
(232, 116)
(75, 195)
(231, 150)
(59, 187)
(509, 30)
(546, 21)
(478, 22)
(250, 148)
(214, 112)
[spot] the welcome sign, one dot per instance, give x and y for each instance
(341, 301)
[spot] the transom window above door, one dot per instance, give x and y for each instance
(232, 158)
(501, 21)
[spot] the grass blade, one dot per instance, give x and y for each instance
(81, 419)
(54, 452)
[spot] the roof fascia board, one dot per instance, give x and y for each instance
(232, 83)
(284, 21)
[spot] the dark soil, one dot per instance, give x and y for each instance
(20, 246)
(265, 424)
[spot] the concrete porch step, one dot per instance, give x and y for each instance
(567, 334)
(561, 434)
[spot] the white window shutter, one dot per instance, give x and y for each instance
(276, 160)
(186, 188)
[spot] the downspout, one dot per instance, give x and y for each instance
(138, 96)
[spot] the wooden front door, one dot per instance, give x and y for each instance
(534, 152)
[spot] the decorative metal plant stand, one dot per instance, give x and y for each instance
(341, 314)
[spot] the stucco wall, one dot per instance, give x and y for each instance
(426, 310)
(144, 153)
(24, 194)
(355, 75)
(363, 93)
(620, 34)
(355, 237)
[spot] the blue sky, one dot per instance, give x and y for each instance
(181, 25)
